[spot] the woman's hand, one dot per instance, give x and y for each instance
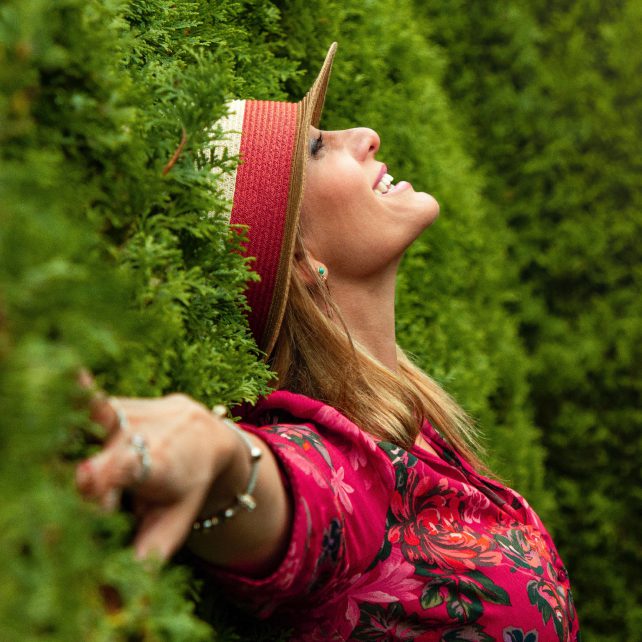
(182, 450)
(180, 462)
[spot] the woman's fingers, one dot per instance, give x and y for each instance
(163, 529)
(101, 409)
(116, 467)
(108, 413)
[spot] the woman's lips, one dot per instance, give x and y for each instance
(382, 172)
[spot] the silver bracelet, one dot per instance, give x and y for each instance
(244, 500)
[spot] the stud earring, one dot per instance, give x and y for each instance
(323, 272)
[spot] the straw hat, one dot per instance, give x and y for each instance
(272, 139)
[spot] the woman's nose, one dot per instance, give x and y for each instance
(366, 142)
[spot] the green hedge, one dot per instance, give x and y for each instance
(109, 260)
(551, 96)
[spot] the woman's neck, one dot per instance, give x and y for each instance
(368, 309)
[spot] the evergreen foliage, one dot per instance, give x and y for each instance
(109, 260)
(521, 300)
(552, 97)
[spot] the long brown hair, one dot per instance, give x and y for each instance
(315, 355)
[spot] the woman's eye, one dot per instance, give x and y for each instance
(316, 145)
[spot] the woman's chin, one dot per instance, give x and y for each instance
(434, 206)
(429, 208)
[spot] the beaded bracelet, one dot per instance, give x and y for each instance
(243, 500)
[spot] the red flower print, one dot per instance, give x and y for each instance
(341, 488)
(537, 544)
(473, 504)
(524, 546)
(454, 546)
(391, 581)
(427, 531)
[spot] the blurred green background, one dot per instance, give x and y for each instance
(524, 300)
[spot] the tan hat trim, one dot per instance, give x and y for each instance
(232, 127)
(308, 113)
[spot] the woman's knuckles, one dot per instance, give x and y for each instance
(110, 500)
(83, 475)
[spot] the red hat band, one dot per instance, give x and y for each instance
(265, 141)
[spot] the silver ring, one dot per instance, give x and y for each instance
(138, 443)
(123, 422)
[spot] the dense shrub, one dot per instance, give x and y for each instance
(108, 260)
(553, 103)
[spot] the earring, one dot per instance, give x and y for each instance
(323, 272)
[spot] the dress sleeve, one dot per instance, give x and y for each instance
(340, 485)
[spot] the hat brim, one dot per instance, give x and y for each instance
(309, 111)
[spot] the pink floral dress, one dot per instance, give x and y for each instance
(391, 544)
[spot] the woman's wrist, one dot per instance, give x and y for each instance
(232, 469)
(251, 541)
(243, 499)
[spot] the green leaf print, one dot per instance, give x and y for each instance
(549, 604)
(386, 622)
(463, 606)
(431, 597)
(487, 589)
(464, 592)
(470, 633)
(516, 548)
(515, 634)
(305, 438)
(402, 461)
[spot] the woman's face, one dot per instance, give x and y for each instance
(348, 223)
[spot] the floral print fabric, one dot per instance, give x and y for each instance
(390, 544)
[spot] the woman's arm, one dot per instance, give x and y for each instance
(198, 466)
(250, 542)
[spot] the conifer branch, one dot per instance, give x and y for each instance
(177, 153)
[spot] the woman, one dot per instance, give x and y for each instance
(350, 501)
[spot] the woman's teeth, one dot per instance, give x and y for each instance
(384, 184)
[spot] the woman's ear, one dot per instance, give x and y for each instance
(310, 269)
